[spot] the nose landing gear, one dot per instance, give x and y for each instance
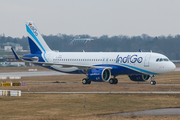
(153, 82)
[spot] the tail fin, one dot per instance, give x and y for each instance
(36, 42)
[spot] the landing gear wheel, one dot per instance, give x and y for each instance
(89, 82)
(111, 81)
(86, 81)
(153, 82)
(115, 81)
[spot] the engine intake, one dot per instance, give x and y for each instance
(139, 78)
(99, 74)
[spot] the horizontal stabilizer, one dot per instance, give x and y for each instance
(15, 54)
(30, 58)
(24, 58)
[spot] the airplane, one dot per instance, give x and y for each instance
(97, 66)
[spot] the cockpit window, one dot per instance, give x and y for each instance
(157, 60)
(161, 59)
(165, 59)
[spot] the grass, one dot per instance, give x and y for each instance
(70, 106)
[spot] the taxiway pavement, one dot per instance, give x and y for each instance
(62, 83)
(110, 92)
(30, 74)
(167, 111)
(41, 73)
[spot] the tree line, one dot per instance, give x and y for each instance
(167, 45)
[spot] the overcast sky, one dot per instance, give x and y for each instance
(92, 17)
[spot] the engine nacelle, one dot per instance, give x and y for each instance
(99, 74)
(139, 78)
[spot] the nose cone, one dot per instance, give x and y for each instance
(172, 67)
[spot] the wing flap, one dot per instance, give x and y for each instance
(65, 65)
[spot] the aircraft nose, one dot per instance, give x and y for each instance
(172, 67)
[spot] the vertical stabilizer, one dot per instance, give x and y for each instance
(36, 42)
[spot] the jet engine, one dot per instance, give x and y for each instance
(139, 78)
(99, 74)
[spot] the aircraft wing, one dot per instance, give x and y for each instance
(80, 67)
(65, 65)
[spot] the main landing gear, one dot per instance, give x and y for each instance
(113, 81)
(152, 80)
(86, 81)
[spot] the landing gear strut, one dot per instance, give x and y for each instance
(86, 81)
(113, 81)
(152, 80)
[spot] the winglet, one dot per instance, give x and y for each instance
(15, 54)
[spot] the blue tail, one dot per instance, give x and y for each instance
(36, 42)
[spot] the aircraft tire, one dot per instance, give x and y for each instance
(115, 81)
(153, 82)
(84, 81)
(111, 81)
(89, 82)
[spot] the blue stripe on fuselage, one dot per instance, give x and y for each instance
(139, 69)
(121, 69)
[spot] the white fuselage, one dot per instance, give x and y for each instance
(140, 62)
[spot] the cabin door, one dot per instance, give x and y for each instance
(146, 60)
